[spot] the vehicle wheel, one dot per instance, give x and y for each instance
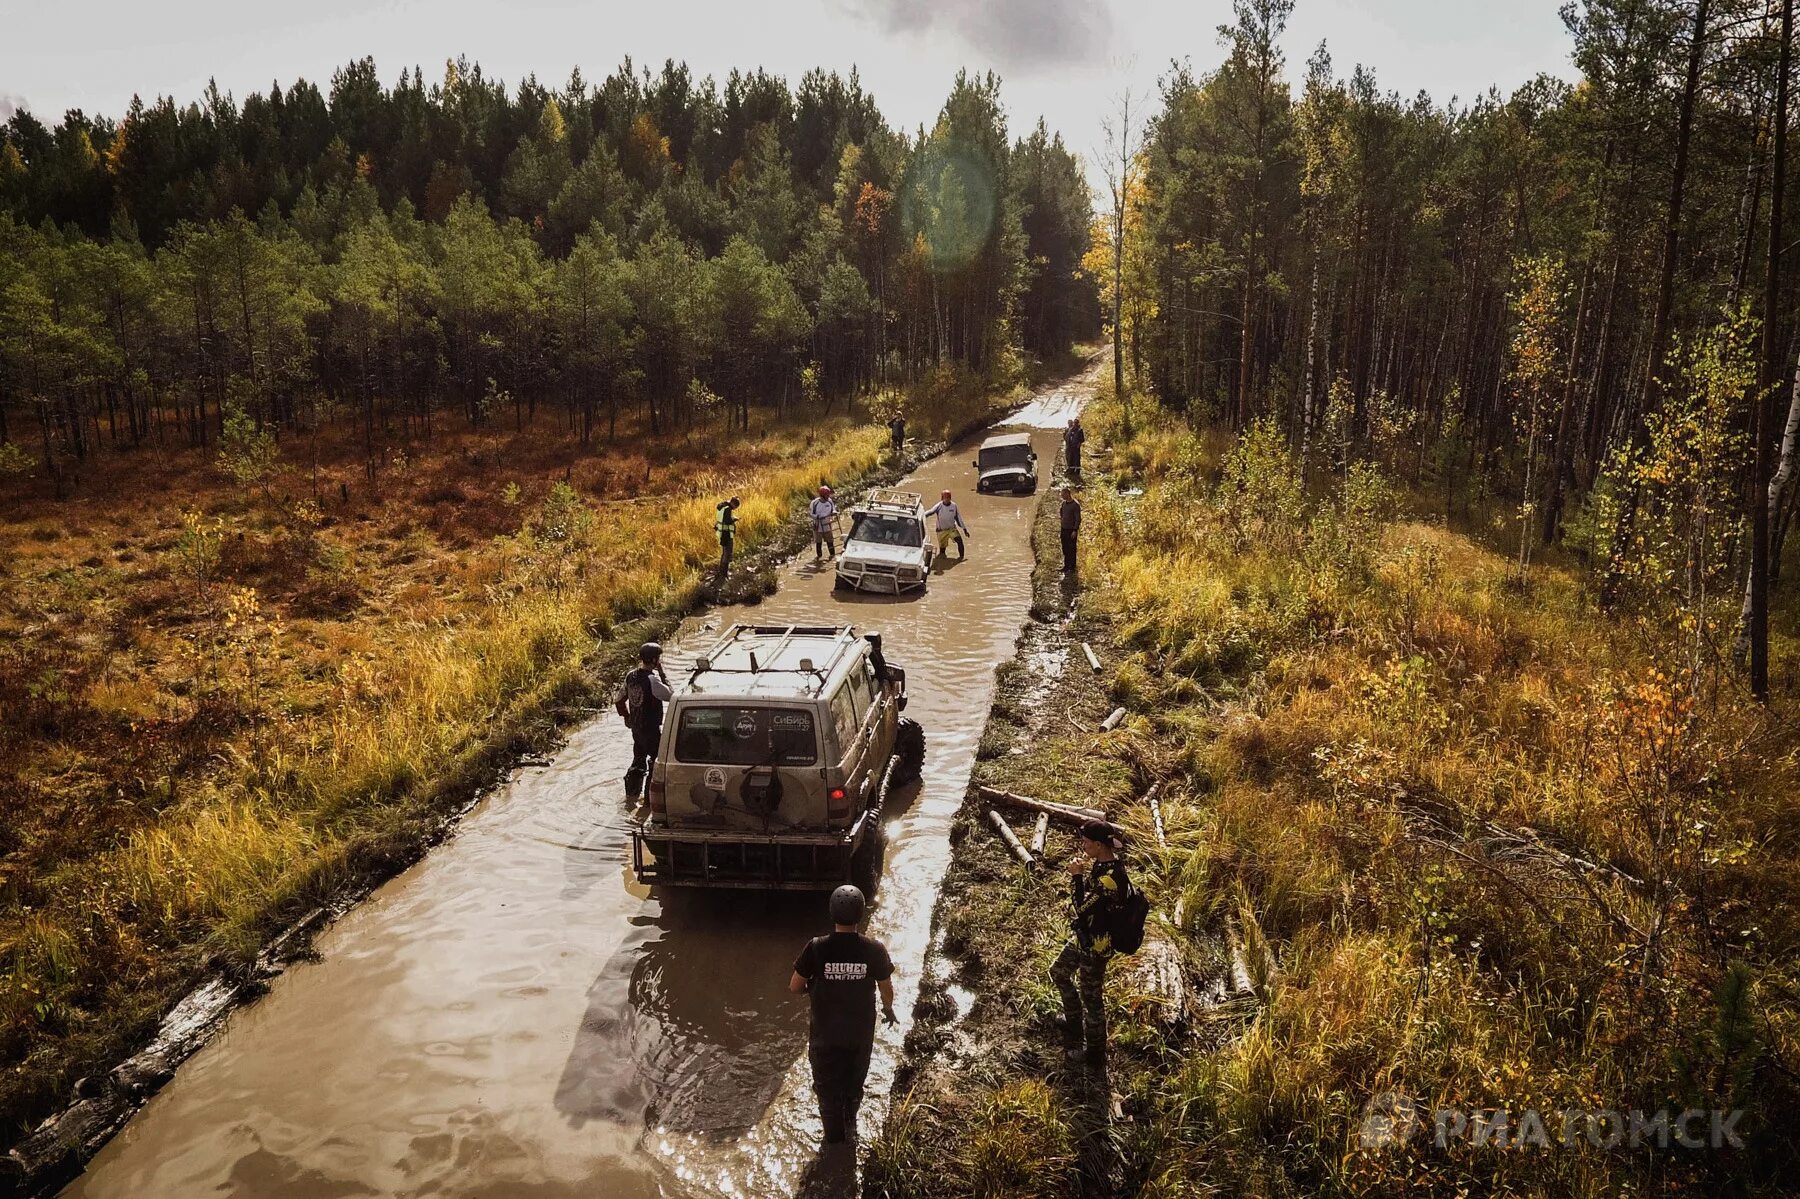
(909, 752)
(839, 583)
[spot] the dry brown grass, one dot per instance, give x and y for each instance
(185, 755)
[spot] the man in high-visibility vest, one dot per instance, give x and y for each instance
(726, 527)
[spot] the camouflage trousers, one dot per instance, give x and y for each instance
(1080, 975)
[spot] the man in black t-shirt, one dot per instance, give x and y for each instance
(842, 973)
(640, 703)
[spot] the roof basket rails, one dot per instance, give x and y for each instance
(844, 638)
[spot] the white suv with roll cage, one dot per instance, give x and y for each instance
(887, 550)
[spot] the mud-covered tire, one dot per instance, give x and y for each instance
(839, 583)
(909, 752)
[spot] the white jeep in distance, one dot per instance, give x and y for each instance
(887, 549)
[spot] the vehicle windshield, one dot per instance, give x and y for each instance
(875, 528)
(732, 736)
(1004, 455)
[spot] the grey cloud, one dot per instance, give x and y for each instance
(1021, 34)
(10, 105)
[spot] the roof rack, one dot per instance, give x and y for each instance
(891, 497)
(843, 640)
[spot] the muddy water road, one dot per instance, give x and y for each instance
(515, 1017)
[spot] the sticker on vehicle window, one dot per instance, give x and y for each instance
(735, 736)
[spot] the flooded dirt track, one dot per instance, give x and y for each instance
(514, 1017)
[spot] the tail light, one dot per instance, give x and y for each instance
(659, 802)
(837, 803)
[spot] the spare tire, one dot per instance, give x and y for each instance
(909, 752)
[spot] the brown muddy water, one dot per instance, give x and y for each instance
(513, 1016)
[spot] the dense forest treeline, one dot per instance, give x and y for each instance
(655, 244)
(1558, 297)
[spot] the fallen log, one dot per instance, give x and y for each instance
(1059, 811)
(1162, 837)
(1092, 657)
(1040, 834)
(1113, 720)
(1007, 835)
(1156, 982)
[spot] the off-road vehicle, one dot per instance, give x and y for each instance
(1006, 462)
(887, 549)
(777, 752)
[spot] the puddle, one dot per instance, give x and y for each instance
(512, 1015)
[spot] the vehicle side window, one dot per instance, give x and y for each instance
(843, 718)
(858, 687)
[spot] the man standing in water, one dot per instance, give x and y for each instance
(726, 527)
(640, 701)
(1079, 972)
(949, 525)
(1071, 526)
(1074, 437)
(897, 434)
(823, 511)
(842, 973)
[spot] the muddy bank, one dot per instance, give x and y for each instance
(984, 1090)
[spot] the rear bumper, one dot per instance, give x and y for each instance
(666, 856)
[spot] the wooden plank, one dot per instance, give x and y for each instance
(1113, 720)
(1092, 657)
(1007, 835)
(1040, 834)
(1070, 812)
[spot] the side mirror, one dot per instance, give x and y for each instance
(1034, 455)
(976, 465)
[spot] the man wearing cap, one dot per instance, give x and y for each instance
(640, 702)
(1079, 972)
(725, 525)
(824, 511)
(842, 972)
(949, 525)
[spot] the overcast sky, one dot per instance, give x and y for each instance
(1063, 59)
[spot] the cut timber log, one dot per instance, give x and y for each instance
(1040, 834)
(1157, 982)
(1059, 811)
(1113, 720)
(1162, 837)
(1092, 657)
(1007, 835)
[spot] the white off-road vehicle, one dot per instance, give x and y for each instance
(777, 753)
(887, 549)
